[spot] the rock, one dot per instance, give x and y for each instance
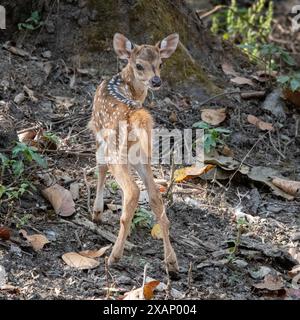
(274, 104)
(296, 236)
(82, 3)
(51, 235)
(74, 189)
(50, 27)
(260, 273)
(19, 98)
(240, 263)
(47, 54)
(94, 15)
(2, 276)
(273, 208)
(124, 280)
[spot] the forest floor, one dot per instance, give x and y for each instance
(203, 213)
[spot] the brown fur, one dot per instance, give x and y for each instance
(107, 114)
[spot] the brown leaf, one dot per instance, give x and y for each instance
(228, 69)
(37, 241)
(78, 261)
(296, 270)
(289, 186)
(265, 126)
(162, 188)
(136, 294)
(156, 232)
(149, 288)
(5, 233)
(271, 283)
(242, 81)
(191, 172)
(213, 116)
(61, 200)
(10, 289)
(226, 151)
(295, 253)
(28, 135)
(173, 117)
(94, 253)
(17, 51)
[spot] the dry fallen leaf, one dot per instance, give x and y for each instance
(265, 126)
(15, 50)
(228, 69)
(156, 232)
(149, 288)
(173, 117)
(191, 172)
(78, 261)
(295, 253)
(289, 186)
(242, 81)
(61, 200)
(5, 233)
(271, 283)
(162, 188)
(136, 294)
(143, 293)
(114, 207)
(94, 253)
(213, 116)
(28, 135)
(10, 289)
(296, 270)
(37, 241)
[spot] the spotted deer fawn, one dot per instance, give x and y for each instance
(120, 100)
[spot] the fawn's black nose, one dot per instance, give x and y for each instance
(156, 82)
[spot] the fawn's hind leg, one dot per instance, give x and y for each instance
(129, 203)
(99, 203)
(157, 206)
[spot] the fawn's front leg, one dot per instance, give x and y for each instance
(157, 206)
(99, 203)
(129, 204)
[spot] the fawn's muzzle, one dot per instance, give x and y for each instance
(156, 82)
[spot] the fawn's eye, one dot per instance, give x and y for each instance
(160, 66)
(139, 67)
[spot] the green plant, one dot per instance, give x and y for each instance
(51, 137)
(32, 23)
(247, 27)
(21, 222)
(114, 186)
(241, 225)
(143, 219)
(291, 81)
(212, 136)
(22, 155)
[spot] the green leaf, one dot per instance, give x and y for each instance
(2, 190)
(288, 59)
(201, 125)
(295, 84)
(39, 160)
(283, 79)
(18, 167)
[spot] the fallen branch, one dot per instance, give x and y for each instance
(83, 222)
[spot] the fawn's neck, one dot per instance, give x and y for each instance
(138, 90)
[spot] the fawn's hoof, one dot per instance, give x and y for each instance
(97, 217)
(112, 259)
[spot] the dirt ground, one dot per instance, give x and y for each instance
(203, 214)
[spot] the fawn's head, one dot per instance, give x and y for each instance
(146, 60)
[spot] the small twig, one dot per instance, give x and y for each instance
(168, 286)
(243, 160)
(190, 277)
(88, 192)
(144, 278)
(273, 145)
(107, 278)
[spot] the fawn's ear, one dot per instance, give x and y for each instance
(123, 47)
(168, 45)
